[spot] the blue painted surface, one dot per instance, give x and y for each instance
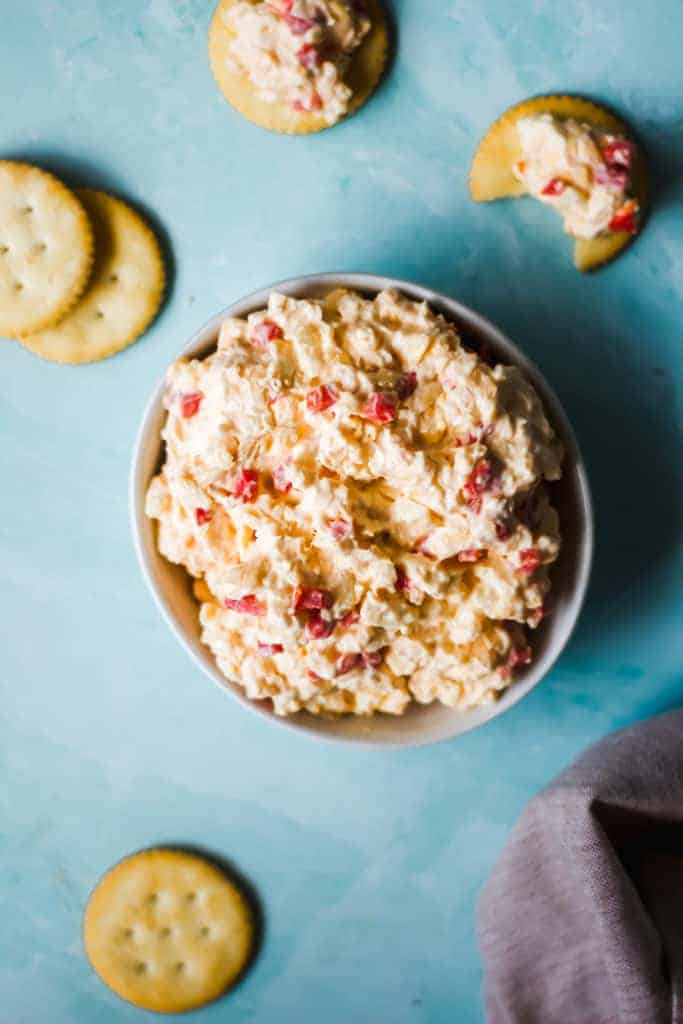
(368, 864)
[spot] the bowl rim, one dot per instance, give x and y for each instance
(463, 721)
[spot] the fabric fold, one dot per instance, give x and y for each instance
(581, 921)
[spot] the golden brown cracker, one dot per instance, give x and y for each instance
(168, 931)
(124, 292)
(46, 248)
(363, 76)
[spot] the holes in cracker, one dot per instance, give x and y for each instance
(165, 933)
(140, 967)
(99, 315)
(27, 209)
(127, 933)
(179, 967)
(205, 931)
(153, 898)
(114, 278)
(4, 249)
(191, 897)
(18, 286)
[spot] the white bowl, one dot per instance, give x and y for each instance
(171, 587)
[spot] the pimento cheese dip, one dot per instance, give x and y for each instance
(361, 501)
(296, 52)
(585, 174)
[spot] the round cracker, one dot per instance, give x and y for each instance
(363, 76)
(124, 293)
(491, 174)
(168, 931)
(46, 248)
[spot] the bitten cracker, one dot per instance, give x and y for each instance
(363, 76)
(491, 174)
(168, 931)
(46, 246)
(124, 293)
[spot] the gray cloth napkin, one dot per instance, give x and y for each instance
(581, 921)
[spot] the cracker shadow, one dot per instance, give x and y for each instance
(246, 887)
(79, 172)
(392, 21)
(164, 239)
(663, 143)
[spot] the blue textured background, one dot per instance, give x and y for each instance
(368, 864)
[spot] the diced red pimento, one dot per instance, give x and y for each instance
(340, 529)
(311, 599)
(555, 187)
(503, 529)
(266, 331)
(613, 175)
(536, 616)
(402, 584)
(470, 439)
(298, 26)
(270, 648)
(373, 659)
(248, 605)
(481, 476)
(309, 56)
(280, 481)
(406, 385)
(246, 485)
(471, 555)
(625, 218)
(318, 628)
(529, 561)
(321, 398)
(189, 404)
(315, 103)
(356, 660)
(348, 663)
(517, 656)
(619, 152)
(350, 619)
(202, 516)
(380, 408)
(478, 482)
(312, 675)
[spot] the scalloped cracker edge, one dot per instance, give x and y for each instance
(168, 930)
(364, 74)
(124, 293)
(46, 249)
(491, 174)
